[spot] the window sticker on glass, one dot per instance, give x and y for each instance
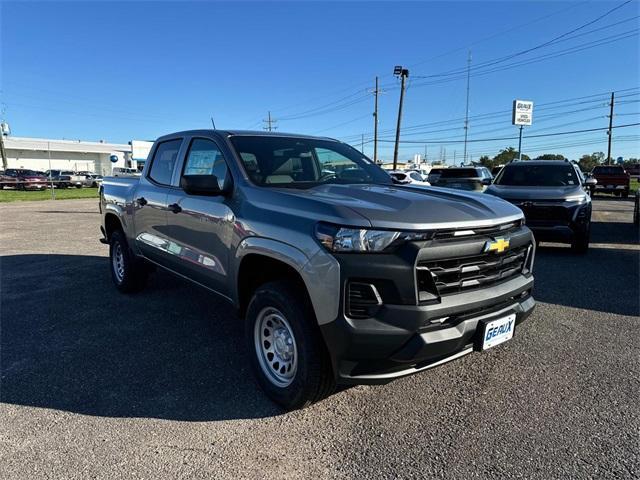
(200, 162)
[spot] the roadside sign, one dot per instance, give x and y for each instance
(522, 112)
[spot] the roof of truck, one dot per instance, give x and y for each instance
(253, 133)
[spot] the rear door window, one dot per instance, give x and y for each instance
(164, 161)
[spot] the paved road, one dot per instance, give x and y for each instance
(99, 385)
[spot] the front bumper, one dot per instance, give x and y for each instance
(403, 334)
(374, 351)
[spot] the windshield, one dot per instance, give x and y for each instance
(304, 162)
(561, 175)
(459, 173)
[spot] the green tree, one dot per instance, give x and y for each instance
(506, 155)
(550, 156)
(587, 162)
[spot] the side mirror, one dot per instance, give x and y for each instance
(590, 182)
(201, 185)
(486, 181)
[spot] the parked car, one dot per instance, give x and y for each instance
(633, 170)
(26, 179)
(65, 178)
(465, 178)
(125, 172)
(408, 177)
(339, 279)
(496, 170)
(434, 174)
(611, 179)
(553, 196)
(7, 181)
(90, 179)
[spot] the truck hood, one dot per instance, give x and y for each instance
(412, 208)
(534, 193)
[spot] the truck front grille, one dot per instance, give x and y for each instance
(454, 275)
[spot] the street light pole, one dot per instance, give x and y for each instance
(403, 73)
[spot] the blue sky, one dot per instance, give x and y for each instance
(122, 71)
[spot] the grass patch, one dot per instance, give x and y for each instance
(635, 184)
(63, 194)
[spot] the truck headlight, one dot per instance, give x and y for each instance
(347, 239)
(576, 199)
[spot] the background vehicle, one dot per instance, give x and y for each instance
(465, 178)
(7, 181)
(552, 194)
(633, 170)
(90, 179)
(434, 174)
(125, 172)
(496, 170)
(340, 276)
(409, 177)
(65, 178)
(27, 179)
(612, 179)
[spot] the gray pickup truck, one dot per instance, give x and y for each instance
(341, 276)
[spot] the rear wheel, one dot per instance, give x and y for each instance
(625, 194)
(128, 273)
(287, 353)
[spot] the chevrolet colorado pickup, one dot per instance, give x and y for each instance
(341, 276)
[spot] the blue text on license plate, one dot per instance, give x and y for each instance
(498, 331)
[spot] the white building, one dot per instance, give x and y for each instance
(45, 154)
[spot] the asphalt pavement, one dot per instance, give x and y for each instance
(95, 384)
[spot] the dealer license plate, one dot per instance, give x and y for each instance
(498, 331)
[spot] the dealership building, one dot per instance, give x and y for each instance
(51, 154)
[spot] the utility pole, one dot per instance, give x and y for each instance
(454, 158)
(425, 153)
(610, 131)
(375, 124)
(2, 151)
(466, 117)
(362, 144)
(269, 122)
(403, 73)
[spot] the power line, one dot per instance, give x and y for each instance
(513, 138)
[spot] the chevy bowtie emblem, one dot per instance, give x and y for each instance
(499, 245)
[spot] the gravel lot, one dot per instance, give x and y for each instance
(94, 384)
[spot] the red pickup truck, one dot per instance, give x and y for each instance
(612, 179)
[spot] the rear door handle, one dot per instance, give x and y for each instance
(142, 201)
(175, 208)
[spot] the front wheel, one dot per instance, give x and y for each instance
(287, 353)
(128, 274)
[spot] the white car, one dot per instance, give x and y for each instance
(409, 177)
(125, 172)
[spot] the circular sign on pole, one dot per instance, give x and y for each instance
(113, 158)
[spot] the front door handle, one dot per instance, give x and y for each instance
(141, 201)
(175, 208)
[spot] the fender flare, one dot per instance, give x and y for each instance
(322, 284)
